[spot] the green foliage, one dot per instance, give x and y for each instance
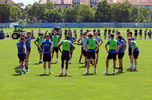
(143, 15)
(49, 5)
(21, 21)
(4, 12)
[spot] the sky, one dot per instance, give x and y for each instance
(26, 2)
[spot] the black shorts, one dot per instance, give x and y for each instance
(135, 34)
(46, 57)
(120, 55)
(39, 50)
(105, 34)
(111, 56)
(90, 55)
(84, 53)
(82, 50)
(72, 51)
(98, 34)
(97, 50)
(21, 57)
(65, 56)
(28, 49)
(130, 51)
(25, 56)
(55, 49)
(136, 55)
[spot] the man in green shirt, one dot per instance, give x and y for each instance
(66, 44)
(113, 50)
(37, 42)
(55, 39)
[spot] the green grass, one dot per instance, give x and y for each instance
(135, 85)
(122, 30)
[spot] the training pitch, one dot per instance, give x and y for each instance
(133, 85)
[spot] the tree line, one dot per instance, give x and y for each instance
(103, 12)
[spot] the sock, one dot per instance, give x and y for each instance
(44, 69)
(97, 60)
(49, 69)
(135, 66)
(79, 60)
(131, 64)
(121, 69)
(19, 64)
(21, 69)
(62, 69)
(87, 70)
(57, 59)
(51, 59)
(26, 67)
(66, 70)
(106, 69)
(113, 70)
(94, 69)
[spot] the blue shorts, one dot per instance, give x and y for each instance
(90, 55)
(39, 49)
(65, 56)
(55, 49)
(105, 34)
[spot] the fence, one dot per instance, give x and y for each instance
(78, 25)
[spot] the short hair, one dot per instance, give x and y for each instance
(67, 37)
(129, 38)
(25, 37)
(111, 35)
(47, 36)
(120, 37)
(90, 34)
(41, 34)
(22, 38)
(118, 32)
(130, 32)
(29, 33)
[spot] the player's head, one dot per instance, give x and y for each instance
(54, 32)
(90, 35)
(41, 35)
(129, 39)
(96, 34)
(67, 37)
(47, 37)
(119, 37)
(149, 30)
(22, 39)
(26, 38)
(129, 34)
(112, 36)
(70, 34)
(84, 34)
(118, 33)
(23, 34)
(29, 34)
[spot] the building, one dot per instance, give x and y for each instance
(71, 3)
(10, 2)
(92, 3)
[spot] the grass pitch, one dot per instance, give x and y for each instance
(133, 85)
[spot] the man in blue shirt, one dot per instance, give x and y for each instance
(21, 53)
(98, 32)
(81, 31)
(91, 43)
(72, 39)
(135, 52)
(47, 53)
(65, 52)
(113, 50)
(140, 33)
(28, 45)
(55, 39)
(145, 32)
(1, 34)
(121, 52)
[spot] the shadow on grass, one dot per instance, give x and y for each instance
(63, 76)
(54, 63)
(16, 74)
(37, 63)
(132, 70)
(43, 75)
(89, 74)
(17, 69)
(120, 72)
(109, 74)
(83, 67)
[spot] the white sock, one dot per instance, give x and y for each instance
(70, 60)
(66, 70)
(21, 69)
(19, 64)
(44, 69)
(87, 70)
(49, 69)
(113, 70)
(106, 69)
(51, 59)
(131, 64)
(62, 69)
(57, 59)
(135, 66)
(94, 69)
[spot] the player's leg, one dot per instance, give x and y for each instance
(21, 67)
(49, 62)
(57, 55)
(44, 64)
(52, 56)
(62, 66)
(135, 59)
(66, 67)
(80, 58)
(107, 63)
(40, 58)
(88, 65)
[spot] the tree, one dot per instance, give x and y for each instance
(4, 12)
(49, 5)
(143, 15)
(134, 13)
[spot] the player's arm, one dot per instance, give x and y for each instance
(24, 50)
(35, 42)
(101, 43)
(132, 48)
(125, 47)
(40, 47)
(97, 46)
(59, 47)
(52, 48)
(119, 46)
(106, 48)
(72, 48)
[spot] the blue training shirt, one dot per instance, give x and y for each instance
(91, 50)
(133, 39)
(20, 47)
(135, 50)
(121, 50)
(47, 46)
(112, 51)
(28, 42)
(70, 46)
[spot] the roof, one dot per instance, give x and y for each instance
(10, 2)
(138, 2)
(133, 2)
